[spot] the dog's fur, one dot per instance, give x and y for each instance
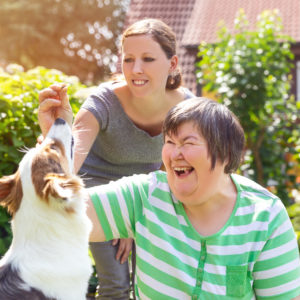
(48, 257)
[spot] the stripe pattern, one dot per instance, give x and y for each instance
(254, 256)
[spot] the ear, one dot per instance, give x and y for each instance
(61, 186)
(11, 192)
(174, 62)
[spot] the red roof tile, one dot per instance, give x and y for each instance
(202, 25)
(174, 13)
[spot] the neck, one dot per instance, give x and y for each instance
(214, 211)
(152, 104)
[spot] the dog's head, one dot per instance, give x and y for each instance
(45, 173)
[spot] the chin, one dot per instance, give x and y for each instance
(184, 196)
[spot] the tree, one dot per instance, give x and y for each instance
(78, 37)
(249, 72)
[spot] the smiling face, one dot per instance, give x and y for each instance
(189, 171)
(145, 65)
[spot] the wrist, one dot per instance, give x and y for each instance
(69, 120)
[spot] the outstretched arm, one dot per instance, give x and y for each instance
(97, 233)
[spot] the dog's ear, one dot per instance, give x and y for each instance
(61, 186)
(11, 192)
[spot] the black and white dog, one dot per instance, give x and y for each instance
(48, 257)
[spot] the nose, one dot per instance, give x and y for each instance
(137, 67)
(176, 152)
(59, 121)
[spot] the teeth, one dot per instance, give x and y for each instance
(139, 82)
(181, 169)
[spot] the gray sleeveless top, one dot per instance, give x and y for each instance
(120, 148)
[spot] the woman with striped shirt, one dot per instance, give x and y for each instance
(201, 231)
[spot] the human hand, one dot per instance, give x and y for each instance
(54, 103)
(125, 246)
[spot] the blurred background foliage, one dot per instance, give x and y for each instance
(78, 37)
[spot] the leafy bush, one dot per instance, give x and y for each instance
(294, 213)
(18, 119)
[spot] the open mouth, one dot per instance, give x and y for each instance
(183, 171)
(139, 82)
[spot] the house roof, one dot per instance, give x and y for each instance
(195, 21)
(203, 23)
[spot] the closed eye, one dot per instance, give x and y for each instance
(54, 147)
(148, 59)
(169, 142)
(128, 60)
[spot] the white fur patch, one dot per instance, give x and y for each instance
(50, 235)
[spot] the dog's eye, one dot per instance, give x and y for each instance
(55, 148)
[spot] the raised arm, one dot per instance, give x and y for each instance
(54, 103)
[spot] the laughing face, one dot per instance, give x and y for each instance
(145, 65)
(188, 166)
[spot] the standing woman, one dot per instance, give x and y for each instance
(118, 130)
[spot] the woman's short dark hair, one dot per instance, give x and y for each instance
(216, 123)
(164, 36)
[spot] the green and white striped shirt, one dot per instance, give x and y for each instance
(255, 255)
